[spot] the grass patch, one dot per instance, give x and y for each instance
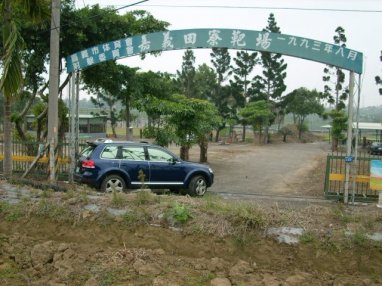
(118, 199)
(360, 239)
(145, 198)
(136, 217)
(202, 280)
(178, 214)
(13, 212)
(307, 237)
(53, 211)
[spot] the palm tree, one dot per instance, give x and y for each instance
(12, 13)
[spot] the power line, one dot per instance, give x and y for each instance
(260, 8)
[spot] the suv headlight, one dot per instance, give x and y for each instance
(211, 171)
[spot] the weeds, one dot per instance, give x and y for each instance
(146, 197)
(360, 239)
(118, 199)
(53, 211)
(179, 213)
(307, 237)
(47, 193)
(139, 216)
(202, 280)
(248, 217)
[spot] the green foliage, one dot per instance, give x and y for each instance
(206, 80)
(186, 77)
(307, 237)
(271, 84)
(360, 239)
(179, 213)
(201, 280)
(247, 217)
(303, 102)
(53, 211)
(339, 124)
(118, 199)
(146, 198)
(187, 120)
(245, 63)
(258, 114)
(334, 90)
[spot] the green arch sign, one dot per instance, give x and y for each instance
(238, 39)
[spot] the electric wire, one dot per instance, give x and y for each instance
(260, 8)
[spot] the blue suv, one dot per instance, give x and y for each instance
(110, 165)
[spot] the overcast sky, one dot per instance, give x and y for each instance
(363, 31)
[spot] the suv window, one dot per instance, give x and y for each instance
(87, 151)
(109, 152)
(134, 153)
(159, 155)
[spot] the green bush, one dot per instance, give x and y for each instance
(179, 213)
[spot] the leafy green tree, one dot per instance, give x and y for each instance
(186, 76)
(11, 13)
(186, 121)
(221, 61)
(206, 80)
(303, 102)
(270, 85)
(258, 114)
(112, 83)
(245, 63)
(334, 90)
(339, 124)
(285, 131)
(152, 88)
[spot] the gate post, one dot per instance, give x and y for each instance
(349, 140)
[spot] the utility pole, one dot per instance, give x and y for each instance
(54, 82)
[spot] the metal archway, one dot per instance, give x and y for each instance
(239, 39)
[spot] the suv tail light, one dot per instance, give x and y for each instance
(88, 164)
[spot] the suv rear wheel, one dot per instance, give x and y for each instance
(198, 186)
(113, 183)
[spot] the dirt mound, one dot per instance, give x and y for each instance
(146, 239)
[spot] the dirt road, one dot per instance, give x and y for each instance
(289, 169)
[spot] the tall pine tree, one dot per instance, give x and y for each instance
(336, 93)
(221, 61)
(186, 76)
(270, 85)
(245, 63)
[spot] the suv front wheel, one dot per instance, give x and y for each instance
(197, 186)
(113, 183)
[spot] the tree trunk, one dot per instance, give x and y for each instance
(266, 131)
(299, 132)
(127, 118)
(203, 151)
(244, 129)
(7, 163)
(334, 144)
(184, 152)
(217, 135)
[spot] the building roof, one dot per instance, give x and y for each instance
(362, 126)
